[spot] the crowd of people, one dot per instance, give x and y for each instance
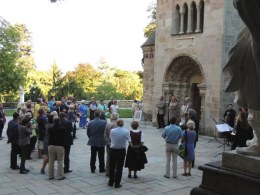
(50, 127)
(183, 124)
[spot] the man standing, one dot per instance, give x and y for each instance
(108, 128)
(119, 138)
(67, 142)
(12, 134)
(184, 111)
(172, 135)
(95, 133)
(230, 115)
(160, 115)
(92, 108)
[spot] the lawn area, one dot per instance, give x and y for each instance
(123, 113)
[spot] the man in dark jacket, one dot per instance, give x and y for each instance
(95, 132)
(67, 142)
(12, 134)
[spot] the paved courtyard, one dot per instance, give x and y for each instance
(82, 181)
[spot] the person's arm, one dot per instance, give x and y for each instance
(106, 135)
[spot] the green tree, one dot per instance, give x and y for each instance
(56, 79)
(12, 73)
(152, 25)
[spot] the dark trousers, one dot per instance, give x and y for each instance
(67, 158)
(25, 149)
(33, 141)
(1, 129)
(74, 130)
(160, 120)
(101, 158)
(15, 150)
(116, 161)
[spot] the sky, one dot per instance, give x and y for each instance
(82, 31)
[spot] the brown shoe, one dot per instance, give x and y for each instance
(184, 174)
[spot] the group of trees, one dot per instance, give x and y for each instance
(17, 68)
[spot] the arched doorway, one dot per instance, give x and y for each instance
(184, 77)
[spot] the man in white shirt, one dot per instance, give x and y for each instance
(119, 138)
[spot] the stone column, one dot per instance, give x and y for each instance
(202, 88)
(182, 12)
(21, 93)
(198, 29)
(175, 23)
(190, 20)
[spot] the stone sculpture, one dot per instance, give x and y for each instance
(243, 69)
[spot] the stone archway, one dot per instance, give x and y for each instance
(184, 77)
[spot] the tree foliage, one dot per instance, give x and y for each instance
(12, 70)
(152, 25)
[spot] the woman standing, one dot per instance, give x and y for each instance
(24, 142)
(135, 158)
(83, 114)
(243, 131)
(188, 139)
(173, 108)
(46, 141)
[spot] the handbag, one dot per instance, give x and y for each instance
(183, 151)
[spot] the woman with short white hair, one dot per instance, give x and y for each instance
(188, 139)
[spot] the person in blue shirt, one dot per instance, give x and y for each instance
(83, 114)
(171, 135)
(51, 103)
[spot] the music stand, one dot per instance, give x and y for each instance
(215, 131)
(223, 128)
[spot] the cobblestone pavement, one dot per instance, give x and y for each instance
(150, 181)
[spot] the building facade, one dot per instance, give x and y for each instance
(186, 54)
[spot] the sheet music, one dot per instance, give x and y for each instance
(223, 128)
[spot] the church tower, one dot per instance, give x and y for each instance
(189, 50)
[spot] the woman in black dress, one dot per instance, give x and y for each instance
(135, 158)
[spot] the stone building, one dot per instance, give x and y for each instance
(186, 54)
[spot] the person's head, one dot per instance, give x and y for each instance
(134, 125)
(114, 117)
(62, 115)
(92, 99)
(15, 115)
(97, 113)
(230, 106)
(51, 116)
(56, 120)
(242, 119)
(120, 123)
(174, 99)
(101, 102)
(111, 99)
(114, 102)
(28, 115)
(39, 100)
(23, 109)
(25, 121)
(161, 98)
(190, 124)
(71, 107)
(186, 100)
(53, 98)
(191, 113)
(41, 111)
(135, 101)
(58, 103)
(173, 120)
(63, 100)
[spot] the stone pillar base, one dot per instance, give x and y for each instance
(219, 180)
